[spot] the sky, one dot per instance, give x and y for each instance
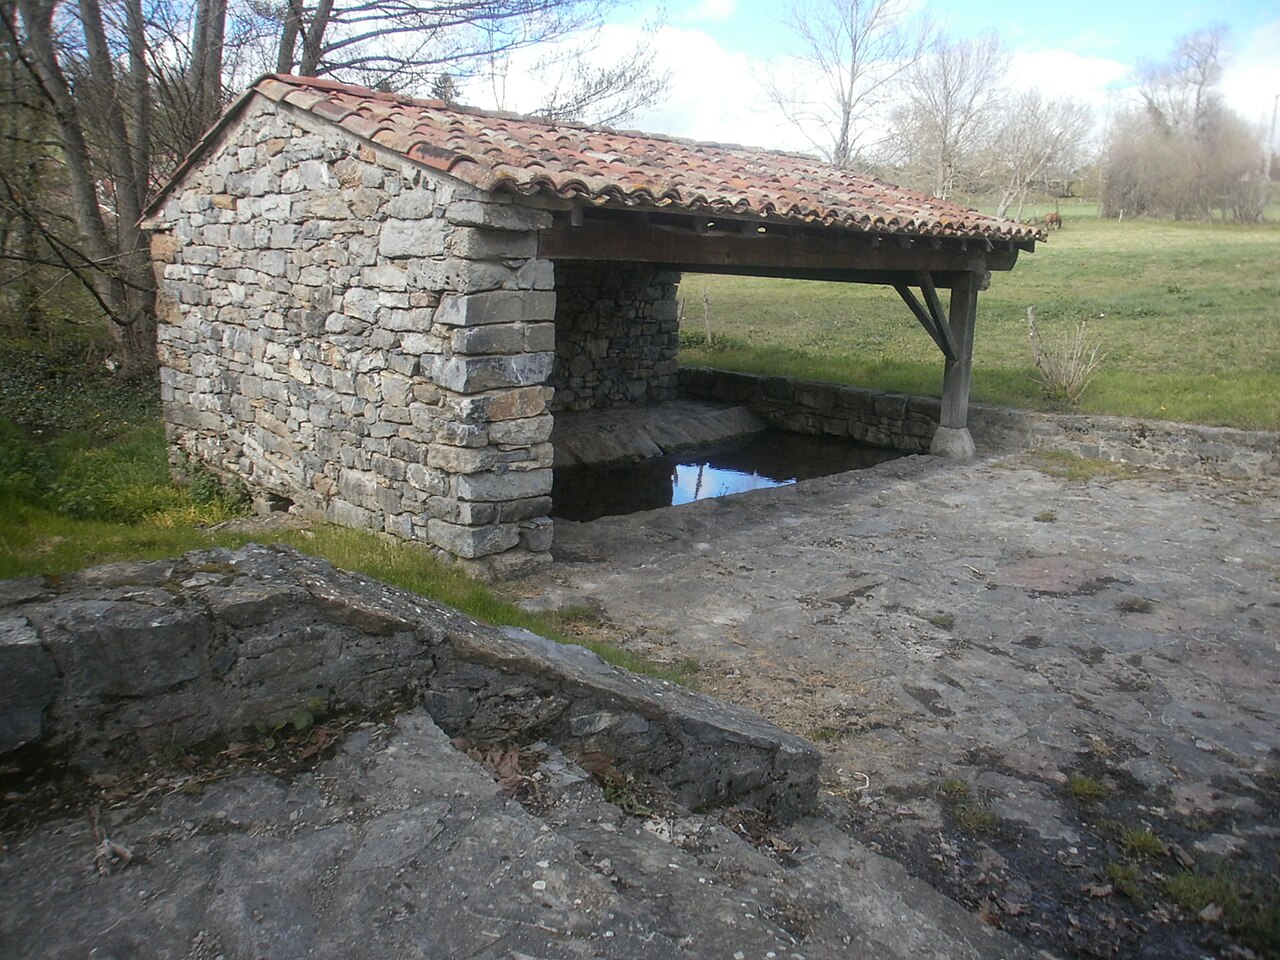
(718, 50)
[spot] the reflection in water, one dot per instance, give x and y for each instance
(769, 459)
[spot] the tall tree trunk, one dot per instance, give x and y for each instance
(206, 61)
(289, 33)
(111, 257)
(313, 39)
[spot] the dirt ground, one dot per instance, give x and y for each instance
(1048, 689)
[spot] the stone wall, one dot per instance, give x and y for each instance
(616, 335)
(907, 423)
(361, 337)
(110, 664)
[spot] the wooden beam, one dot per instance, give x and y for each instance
(958, 375)
(936, 328)
(752, 253)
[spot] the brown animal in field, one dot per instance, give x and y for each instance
(1053, 221)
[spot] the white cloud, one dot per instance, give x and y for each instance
(714, 95)
(710, 11)
(1061, 74)
(1251, 81)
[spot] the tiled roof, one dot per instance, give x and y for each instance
(506, 153)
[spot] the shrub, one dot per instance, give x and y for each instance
(1066, 365)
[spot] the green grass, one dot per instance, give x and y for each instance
(1188, 315)
(1085, 789)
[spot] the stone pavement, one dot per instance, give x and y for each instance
(992, 624)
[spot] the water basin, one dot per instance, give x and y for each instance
(772, 458)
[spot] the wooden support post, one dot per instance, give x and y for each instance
(953, 439)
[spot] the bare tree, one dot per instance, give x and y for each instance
(570, 82)
(1181, 92)
(100, 105)
(953, 98)
(1034, 135)
(855, 52)
(1184, 153)
(129, 86)
(404, 43)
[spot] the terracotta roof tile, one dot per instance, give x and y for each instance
(525, 156)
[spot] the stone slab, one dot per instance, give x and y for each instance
(626, 434)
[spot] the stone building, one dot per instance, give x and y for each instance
(371, 307)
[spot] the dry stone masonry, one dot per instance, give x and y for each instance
(374, 343)
(617, 333)
(368, 341)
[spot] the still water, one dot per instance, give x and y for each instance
(773, 458)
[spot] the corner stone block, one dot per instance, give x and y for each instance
(509, 485)
(411, 238)
(497, 306)
(516, 404)
(493, 338)
(496, 216)
(472, 542)
(474, 374)
(478, 244)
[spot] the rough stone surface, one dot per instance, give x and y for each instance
(401, 845)
(997, 624)
(148, 655)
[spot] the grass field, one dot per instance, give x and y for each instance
(1188, 316)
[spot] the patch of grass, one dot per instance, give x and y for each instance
(969, 813)
(1135, 605)
(1046, 516)
(1067, 466)
(1141, 842)
(1124, 877)
(974, 818)
(1132, 282)
(954, 790)
(824, 734)
(1085, 789)
(1194, 891)
(943, 620)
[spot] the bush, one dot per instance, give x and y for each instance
(1065, 365)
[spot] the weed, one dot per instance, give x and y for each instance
(1135, 605)
(1067, 466)
(1046, 516)
(620, 790)
(943, 620)
(1141, 842)
(301, 719)
(1066, 365)
(970, 814)
(974, 818)
(1195, 891)
(825, 734)
(1085, 789)
(1124, 877)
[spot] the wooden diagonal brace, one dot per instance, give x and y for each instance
(934, 319)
